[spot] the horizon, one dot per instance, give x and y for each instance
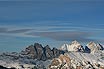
(52, 23)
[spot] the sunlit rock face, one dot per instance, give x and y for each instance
(63, 62)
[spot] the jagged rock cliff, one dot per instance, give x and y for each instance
(36, 51)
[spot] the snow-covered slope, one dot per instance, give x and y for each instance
(94, 47)
(78, 60)
(75, 46)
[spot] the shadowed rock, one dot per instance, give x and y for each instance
(48, 52)
(87, 50)
(37, 51)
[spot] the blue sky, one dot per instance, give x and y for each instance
(23, 23)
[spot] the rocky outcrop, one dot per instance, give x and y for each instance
(48, 52)
(30, 50)
(37, 51)
(57, 52)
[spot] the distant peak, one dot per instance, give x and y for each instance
(91, 43)
(75, 42)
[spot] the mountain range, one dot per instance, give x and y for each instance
(91, 47)
(68, 56)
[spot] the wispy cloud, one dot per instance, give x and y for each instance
(14, 31)
(59, 33)
(65, 35)
(19, 31)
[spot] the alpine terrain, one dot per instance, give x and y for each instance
(68, 56)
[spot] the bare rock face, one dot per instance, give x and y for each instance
(31, 51)
(39, 49)
(57, 52)
(48, 52)
(36, 51)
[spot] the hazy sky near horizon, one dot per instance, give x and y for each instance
(23, 23)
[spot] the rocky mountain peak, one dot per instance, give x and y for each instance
(47, 47)
(93, 47)
(37, 51)
(75, 46)
(38, 45)
(91, 44)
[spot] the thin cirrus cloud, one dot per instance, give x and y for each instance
(20, 31)
(65, 35)
(60, 35)
(6, 30)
